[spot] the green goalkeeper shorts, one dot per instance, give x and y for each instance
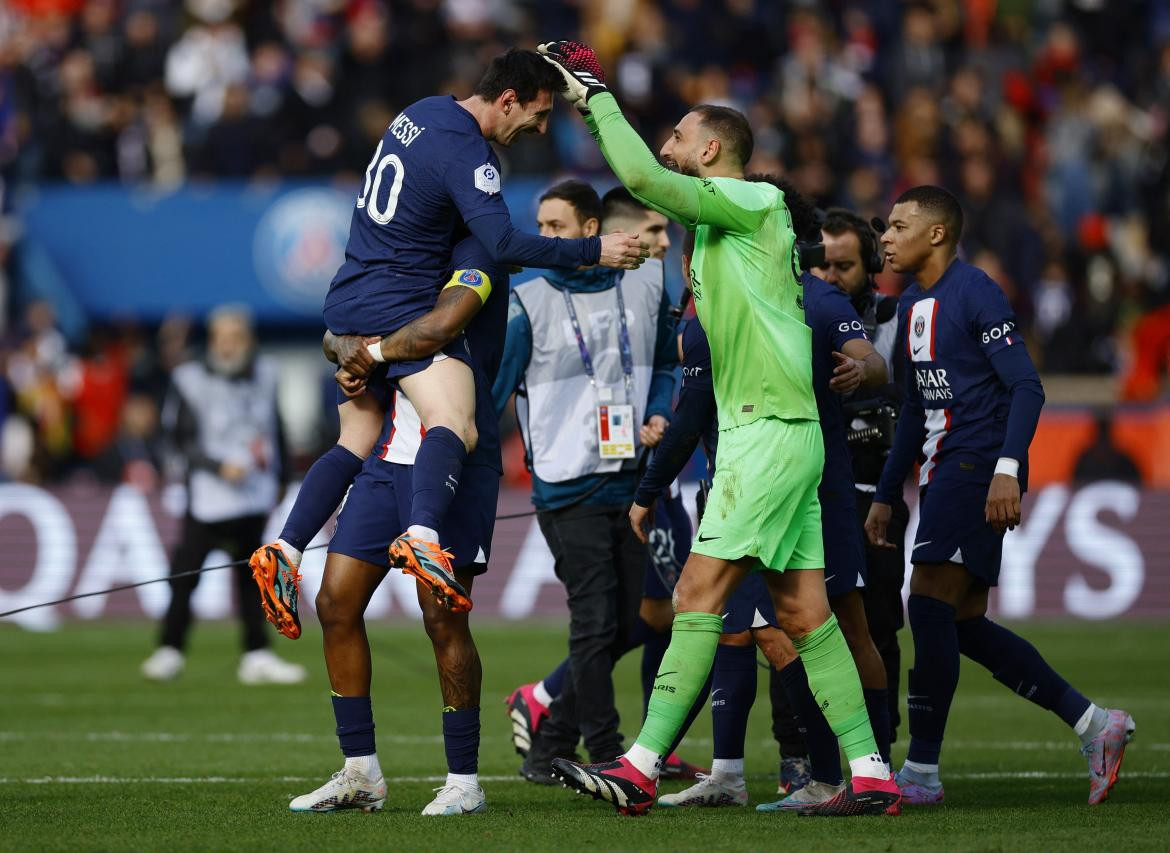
(763, 500)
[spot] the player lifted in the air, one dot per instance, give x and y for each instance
(432, 178)
(973, 400)
(763, 512)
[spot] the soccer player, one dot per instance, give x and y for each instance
(376, 505)
(433, 169)
(744, 280)
(973, 400)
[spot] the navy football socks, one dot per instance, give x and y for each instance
(877, 704)
(733, 691)
(320, 493)
(461, 740)
(824, 754)
(554, 682)
(437, 467)
(653, 648)
(355, 725)
(1015, 663)
(931, 684)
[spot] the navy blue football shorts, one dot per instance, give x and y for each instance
(844, 548)
(750, 606)
(377, 510)
(952, 527)
(384, 377)
(670, 545)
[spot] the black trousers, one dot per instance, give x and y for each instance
(602, 565)
(239, 537)
(883, 597)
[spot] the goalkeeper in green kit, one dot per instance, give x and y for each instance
(762, 514)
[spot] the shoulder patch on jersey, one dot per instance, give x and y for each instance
(487, 179)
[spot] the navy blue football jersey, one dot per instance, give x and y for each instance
(432, 171)
(950, 332)
(834, 322)
(696, 370)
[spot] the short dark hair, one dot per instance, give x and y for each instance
(582, 197)
(840, 221)
(621, 202)
(732, 128)
(525, 71)
(938, 204)
(805, 218)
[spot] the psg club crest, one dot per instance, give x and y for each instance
(298, 245)
(919, 326)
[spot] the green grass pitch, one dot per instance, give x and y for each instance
(94, 758)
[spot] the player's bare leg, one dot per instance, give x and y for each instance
(275, 566)
(345, 592)
(460, 676)
(444, 397)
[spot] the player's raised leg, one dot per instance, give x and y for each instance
(460, 676)
(345, 592)
(275, 566)
(444, 396)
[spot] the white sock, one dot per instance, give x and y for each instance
(427, 534)
(1091, 723)
(924, 774)
(294, 556)
(648, 763)
(870, 766)
(365, 765)
(727, 770)
(541, 694)
(464, 780)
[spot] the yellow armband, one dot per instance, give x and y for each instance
(476, 280)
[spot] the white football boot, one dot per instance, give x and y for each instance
(165, 664)
(812, 794)
(709, 792)
(346, 789)
(456, 800)
(262, 666)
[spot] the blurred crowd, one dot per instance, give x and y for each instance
(1048, 118)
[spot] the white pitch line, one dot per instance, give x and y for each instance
(252, 780)
(423, 740)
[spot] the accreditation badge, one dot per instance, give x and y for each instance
(615, 431)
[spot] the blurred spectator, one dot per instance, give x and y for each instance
(1103, 460)
(222, 423)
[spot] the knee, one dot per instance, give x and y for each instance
(691, 598)
(468, 434)
(332, 611)
(443, 627)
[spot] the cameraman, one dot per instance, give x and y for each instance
(852, 259)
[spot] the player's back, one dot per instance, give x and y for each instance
(432, 165)
(749, 301)
(950, 333)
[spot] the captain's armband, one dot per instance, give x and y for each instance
(478, 281)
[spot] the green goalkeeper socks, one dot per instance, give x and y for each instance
(832, 677)
(681, 676)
